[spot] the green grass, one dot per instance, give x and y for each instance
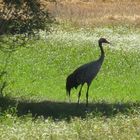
(39, 72)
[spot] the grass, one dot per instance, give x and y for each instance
(36, 87)
(96, 13)
(120, 127)
(35, 106)
(41, 69)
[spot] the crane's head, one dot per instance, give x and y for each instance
(103, 40)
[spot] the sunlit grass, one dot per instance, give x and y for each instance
(40, 70)
(119, 127)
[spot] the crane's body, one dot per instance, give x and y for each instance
(85, 73)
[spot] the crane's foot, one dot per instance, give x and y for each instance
(86, 105)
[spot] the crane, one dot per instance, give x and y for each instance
(85, 73)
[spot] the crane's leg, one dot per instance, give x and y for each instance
(87, 96)
(69, 97)
(79, 94)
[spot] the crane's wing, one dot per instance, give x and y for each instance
(87, 72)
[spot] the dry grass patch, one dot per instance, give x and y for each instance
(96, 12)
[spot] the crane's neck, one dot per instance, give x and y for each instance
(102, 52)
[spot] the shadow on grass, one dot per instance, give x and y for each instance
(64, 110)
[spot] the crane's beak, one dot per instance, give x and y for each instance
(108, 42)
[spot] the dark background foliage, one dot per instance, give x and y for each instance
(23, 16)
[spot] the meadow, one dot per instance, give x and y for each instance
(34, 104)
(40, 70)
(36, 76)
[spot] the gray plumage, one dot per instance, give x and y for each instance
(85, 73)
